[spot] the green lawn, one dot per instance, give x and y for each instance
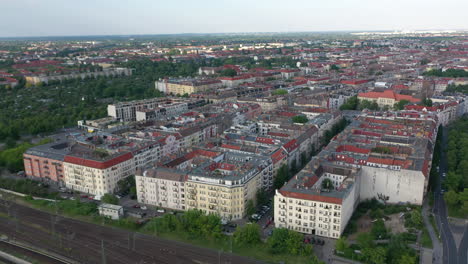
(426, 240)
(455, 211)
(433, 223)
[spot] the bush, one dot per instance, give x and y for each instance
(247, 235)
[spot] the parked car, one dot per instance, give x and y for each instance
(232, 225)
(162, 211)
(255, 217)
(143, 208)
(84, 196)
(136, 206)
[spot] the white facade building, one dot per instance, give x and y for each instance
(94, 176)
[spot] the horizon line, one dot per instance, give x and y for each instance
(227, 33)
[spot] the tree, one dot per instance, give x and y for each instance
(416, 219)
(282, 176)
(350, 104)
(262, 197)
(250, 208)
(341, 244)
(407, 259)
(334, 67)
(247, 235)
(379, 230)
(376, 255)
(365, 240)
(327, 184)
(300, 119)
(110, 199)
(279, 92)
(426, 102)
(228, 72)
(287, 241)
(451, 197)
(400, 105)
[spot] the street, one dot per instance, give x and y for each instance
(451, 254)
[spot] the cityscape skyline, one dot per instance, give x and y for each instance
(54, 18)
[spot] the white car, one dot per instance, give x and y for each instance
(256, 216)
(444, 174)
(143, 208)
(162, 211)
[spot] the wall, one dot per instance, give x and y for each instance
(400, 185)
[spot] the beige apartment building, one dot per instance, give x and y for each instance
(187, 86)
(225, 197)
(161, 187)
(305, 206)
(95, 175)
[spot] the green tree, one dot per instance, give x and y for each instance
(379, 230)
(365, 240)
(426, 102)
(451, 197)
(282, 176)
(416, 219)
(327, 184)
(262, 197)
(279, 92)
(250, 209)
(247, 235)
(341, 244)
(376, 255)
(350, 104)
(400, 105)
(110, 199)
(407, 259)
(300, 119)
(228, 72)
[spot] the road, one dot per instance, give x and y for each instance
(90, 243)
(451, 255)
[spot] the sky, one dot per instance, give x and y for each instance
(22, 18)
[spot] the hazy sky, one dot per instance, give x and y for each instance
(110, 17)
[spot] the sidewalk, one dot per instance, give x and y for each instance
(437, 245)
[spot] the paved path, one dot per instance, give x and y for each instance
(437, 246)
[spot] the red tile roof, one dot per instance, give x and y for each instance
(98, 164)
(390, 95)
(311, 197)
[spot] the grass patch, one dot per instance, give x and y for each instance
(259, 251)
(434, 226)
(426, 240)
(455, 211)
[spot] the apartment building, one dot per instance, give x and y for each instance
(97, 174)
(109, 72)
(237, 80)
(386, 98)
(305, 205)
(161, 187)
(126, 111)
(384, 155)
(162, 111)
(45, 162)
(266, 103)
(183, 86)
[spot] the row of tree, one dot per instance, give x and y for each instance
(456, 181)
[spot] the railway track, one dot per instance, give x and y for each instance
(89, 243)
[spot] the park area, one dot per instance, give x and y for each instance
(381, 233)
